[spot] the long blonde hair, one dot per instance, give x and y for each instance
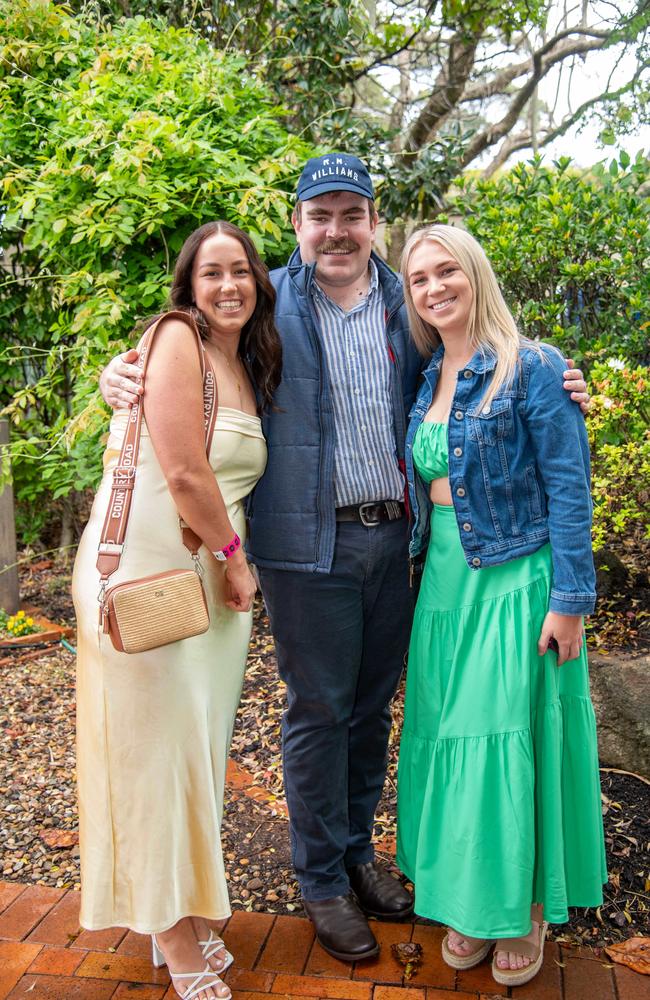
(491, 326)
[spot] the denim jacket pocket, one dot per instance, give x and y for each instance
(534, 494)
(492, 422)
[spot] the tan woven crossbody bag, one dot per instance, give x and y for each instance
(153, 610)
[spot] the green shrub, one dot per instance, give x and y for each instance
(571, 251)
(115, 143)
(619, 435)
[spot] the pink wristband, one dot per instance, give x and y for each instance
(228, 550)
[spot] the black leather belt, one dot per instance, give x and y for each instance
(372, 514)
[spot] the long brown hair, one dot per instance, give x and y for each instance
(259, 344)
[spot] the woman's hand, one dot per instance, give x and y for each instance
(240, 583)
(566, 630)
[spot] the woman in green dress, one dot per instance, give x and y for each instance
(499, 819)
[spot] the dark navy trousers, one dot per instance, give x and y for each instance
(341, 639)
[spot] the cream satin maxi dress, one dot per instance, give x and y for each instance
(153, 729)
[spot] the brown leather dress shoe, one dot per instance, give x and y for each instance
(379, 894)
(341, 928)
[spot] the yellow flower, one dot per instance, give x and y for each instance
(21, 614)
(30, 621)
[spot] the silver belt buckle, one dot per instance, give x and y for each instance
(362, 515)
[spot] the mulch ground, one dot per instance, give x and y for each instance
(38, 809)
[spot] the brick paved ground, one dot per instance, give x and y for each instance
(44, 955)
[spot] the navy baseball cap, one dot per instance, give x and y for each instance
(334, 172)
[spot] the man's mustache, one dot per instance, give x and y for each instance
(331, 246)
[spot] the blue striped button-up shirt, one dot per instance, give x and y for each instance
(358, 365)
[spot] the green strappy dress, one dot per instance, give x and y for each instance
(498, 785)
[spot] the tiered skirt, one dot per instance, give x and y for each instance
(498, 786)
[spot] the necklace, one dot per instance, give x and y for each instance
(234, 373)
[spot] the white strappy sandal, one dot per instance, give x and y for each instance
(200, 980)
(212, 947)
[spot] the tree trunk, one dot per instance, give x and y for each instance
(9, 592)
(395, 239)
(67, 536)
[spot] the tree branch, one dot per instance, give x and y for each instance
(385, 56)
(402, 102)
(500, 82)
(523, 140)
(493, 133)
(446, 93)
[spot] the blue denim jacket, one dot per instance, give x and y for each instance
(518, 472)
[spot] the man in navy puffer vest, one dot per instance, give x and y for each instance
(328, 533)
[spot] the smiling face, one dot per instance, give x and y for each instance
(441, 291)
(336, 230)
(223, 284)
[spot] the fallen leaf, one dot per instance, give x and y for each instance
(635, 953)
(409, 954)
(60, 838)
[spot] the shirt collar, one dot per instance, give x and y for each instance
(317, 291)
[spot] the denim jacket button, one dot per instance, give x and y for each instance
(458, 452)
(467, 526)
(476, 561)
(460, 492)
(467, 373)
(486, 410)
(458, 414)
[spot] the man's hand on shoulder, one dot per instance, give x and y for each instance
(575, 384)
(120, 382)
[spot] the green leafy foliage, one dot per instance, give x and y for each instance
(115, 143)
(570, 251)
(619, 435)
(412, 185)
(306, 51)
(507, 17)
(332, 64)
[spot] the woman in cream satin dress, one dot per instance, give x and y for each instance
(154, 728)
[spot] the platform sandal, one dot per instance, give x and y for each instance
(464, 961)
(528, 949)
